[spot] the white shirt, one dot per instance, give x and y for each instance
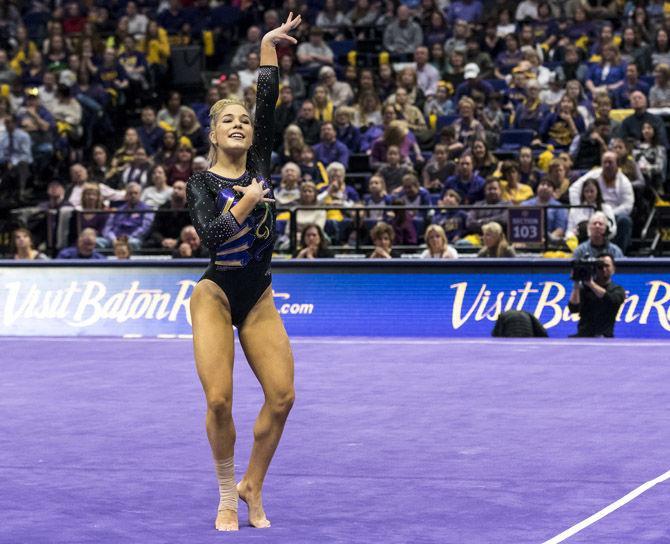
(427, 78)
(106, 192)
(248, 78)
(151, 196)
(450, 253)
(620, 196)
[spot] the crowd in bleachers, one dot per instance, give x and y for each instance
(418, 122)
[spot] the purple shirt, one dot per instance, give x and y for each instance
(133, 225)
(334, 152)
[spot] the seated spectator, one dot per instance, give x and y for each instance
(412, 194)
(509, 57)
(331, 19)
(598, 242)
(323, 105)
(126, 153)
(483, 213)
(189, 245)
(617, 191)
(438, 246)
(288, 77)
(556, 218)
(329, 149)
(313, 243)
(659, 95)
(346, 132)
(449, 217)
(651, 158)
(308, 123)
(91, 199)
(172, 218)
(393, 170)
(484, 162)
(631, 127)
(22, 247)
(250, 44)
(367, 111)
(133, 225)
(285, 114)
(403, 35)
(440, 103)
(158, 193)
(169, 115)
(531, 112)
(467, 128)
(377, 196)
(465, 182)
(575, 91)
(396, 133)
(137, 170)
(189, 127)
(337, 193)
(386, 82)
(410, 113)
(288, 192)
(74, 191)
(16, 159)
(495, 242)
(587, 148)
(249, 75)
(512, 188)
(85, 248)
(563, 124)
(182, 168)
(556, 175)
(608, 75)
(122, 249)
(631, 83)
(402, 221)
(100, 170)
(473, 84)
(167, 152)
(578, 218)
(313, 54)
(311, 170)
(339, 92)
(383, 235)
(626, 163)
(292, 145)
(308, 199)
(437, 169)
(363, 13)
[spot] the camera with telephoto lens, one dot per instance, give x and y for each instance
(585, 269)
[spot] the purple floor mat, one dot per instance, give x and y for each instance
(390, 441)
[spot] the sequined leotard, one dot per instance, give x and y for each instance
(241, 254)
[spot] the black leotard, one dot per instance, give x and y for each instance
(241, 254)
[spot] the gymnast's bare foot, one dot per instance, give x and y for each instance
(255, 503)
(226, 520)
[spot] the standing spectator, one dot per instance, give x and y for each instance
(85, 248)
(556, 218)
(16, 159)
(631, 127)
(403, 35)
(124, 222)
(22, 247)
(495, 242)
(438, 246)
(617, 191)
(329, 149)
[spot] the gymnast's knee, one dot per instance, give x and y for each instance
(280, 403)
(220, 406)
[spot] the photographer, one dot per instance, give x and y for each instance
(595, 297)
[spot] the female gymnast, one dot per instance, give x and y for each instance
(233, 211)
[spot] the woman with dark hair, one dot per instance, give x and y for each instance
(513, 190)
(561, 126)
(578, 218)
(509, 57)
(383, 235)
(484, 162)
(386, 84)
(288, 76)
(660, 51)
(167, 154)
(159, 192)
(437, 30)
(632, 50)
(659, 95)
(232, 209)
(313, 243)
(22, 248)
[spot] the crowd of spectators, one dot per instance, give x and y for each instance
(399, 105)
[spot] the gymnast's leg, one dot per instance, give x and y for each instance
(213, 343)
(265, 343)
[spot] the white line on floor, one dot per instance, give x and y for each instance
(608, 509)
(527, 342)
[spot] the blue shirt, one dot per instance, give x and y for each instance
(585, 249)
(73, 253)
(470, 192)
(334, 152)
(19, 149)
(133, 225)
(557, 218)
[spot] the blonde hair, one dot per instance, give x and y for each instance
(495, 228)
(440, 232)
(214, 114)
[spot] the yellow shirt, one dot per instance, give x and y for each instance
(519, 194)
(157, 51)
